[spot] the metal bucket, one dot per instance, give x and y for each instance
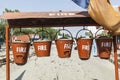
(20, 49)
(84, 45)
(42, 47)
(104, 45)
(20, 52)
(84, 48)
(64, 46)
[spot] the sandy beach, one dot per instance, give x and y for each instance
(55, 68)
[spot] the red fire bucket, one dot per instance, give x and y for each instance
(64, 46)
(104, 47)
(84, 45)
(42, 48)
(104, 44)
(84, 48)
(20, 52)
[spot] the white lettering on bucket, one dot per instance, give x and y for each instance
(67, 46)
(85, 47)
(21, 49)
(106, 44)
(42, 47)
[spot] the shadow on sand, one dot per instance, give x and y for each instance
(20, 76)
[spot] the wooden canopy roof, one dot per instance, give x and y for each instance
(49, 19)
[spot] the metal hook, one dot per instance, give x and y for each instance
(20, 29)
(63, 32)
(42, 33)
(83, 27)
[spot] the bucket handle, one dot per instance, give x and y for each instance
(100, 30)
(63, 35)
(83, 30)
(42, 34)
(24, 33)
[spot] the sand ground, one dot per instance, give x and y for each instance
(55, 68)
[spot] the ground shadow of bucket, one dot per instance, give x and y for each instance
(104, 46)
(20, 52)
(64, 46)
(84, 45)
(42, 47)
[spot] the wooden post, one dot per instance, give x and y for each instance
(115, 58)
(7, 54)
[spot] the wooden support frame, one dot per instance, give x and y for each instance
(7, 54)
(13, 24)
(115, 58)
(8, 57)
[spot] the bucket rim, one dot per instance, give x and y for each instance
(63, 39)
(21, 42)
(103, 38)
(43, 41)
(85, 38)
